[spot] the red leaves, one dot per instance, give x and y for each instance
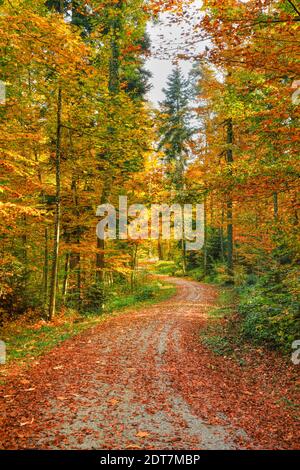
(142, 379)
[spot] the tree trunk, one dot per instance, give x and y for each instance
(134, 266)
(184, 264)
(275, 206)
(205, 238)
(66, 278)
(78, 278)
(54, 277)
(46, 268)
(230, 204)
(160, 249)
(25, 253)
(100, 259)
(77, 256)
(222, 236)
(113, 88)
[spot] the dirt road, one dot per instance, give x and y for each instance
(142, 380)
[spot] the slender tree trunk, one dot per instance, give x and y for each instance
(78, 239)
(78, 278)
(160, 249)
(205, 238)
(100, 259)
(113, 88)
(133, 266)
(100, 263)
(25, 252)
(114, 63)
(275, 206)
(222, 236)
(295, 205)
(46, 268)
(183, 249)
(54, 277)
(230, 205)
(66, 278)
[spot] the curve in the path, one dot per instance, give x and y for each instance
(115, 386)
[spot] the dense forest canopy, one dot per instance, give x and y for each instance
(77, 131)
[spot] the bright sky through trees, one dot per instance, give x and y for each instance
(177, 36)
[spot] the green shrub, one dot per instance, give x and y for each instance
(118, 303)
(269, 317)
(197, 274)
(168, 268)
(94, 299)
(146, 292)
(240, 275)
(218, 344)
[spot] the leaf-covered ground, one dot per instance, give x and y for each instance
(144, 380)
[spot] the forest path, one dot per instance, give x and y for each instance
(141, 379)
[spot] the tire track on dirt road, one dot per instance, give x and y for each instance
(132, 382)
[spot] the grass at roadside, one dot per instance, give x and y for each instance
(24, 342)
(222, 333)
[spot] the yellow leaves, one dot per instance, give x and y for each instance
(142, 434)
(37, 38)
(12, 211)
(113, 402)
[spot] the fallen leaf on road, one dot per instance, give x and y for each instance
(27, 422)
(113, 401)
(142, 434)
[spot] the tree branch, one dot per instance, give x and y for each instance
(294, 7)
